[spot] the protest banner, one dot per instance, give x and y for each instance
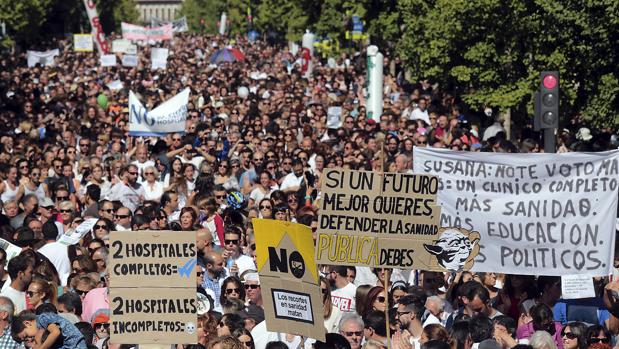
(108, 60)
(82, 42)
(538, 214)
(289, 279)
(137, 32)
(178, 25)
(159, 58)
(124, 46)
(387, 220)
(43, 58)
(97, 31)
(153, 272)
(169, 117)
(130, 61)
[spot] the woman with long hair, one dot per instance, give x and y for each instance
(244, 336)
(175, 171)
(598, 334)
(361, 295)
(574, 336)
(41, 291)
(516, 290)
(225, 177)
(265, 208)
(102, 228)
(330, 313)
(375, 300)
(231, 288)
(9, 188)
(433, 332)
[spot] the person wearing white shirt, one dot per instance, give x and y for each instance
(292, 181)
(421, 113)
(153, 189)
(344, 294)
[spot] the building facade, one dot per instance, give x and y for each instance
(164, 10)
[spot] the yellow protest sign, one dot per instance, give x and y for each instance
(289, 278)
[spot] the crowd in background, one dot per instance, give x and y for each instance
(258, 136)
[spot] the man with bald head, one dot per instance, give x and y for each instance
(215, 275)
(204, 242)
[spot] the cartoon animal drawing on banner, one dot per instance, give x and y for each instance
(455, 249)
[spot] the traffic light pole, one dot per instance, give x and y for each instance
(550, 145)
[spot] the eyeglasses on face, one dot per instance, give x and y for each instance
(121, 216)
(231, 290)
(231, 242)
(265, 207)
(352, 333)
(253, 287)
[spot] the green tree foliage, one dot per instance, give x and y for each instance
(207, 10)
(114, 12)
(287, 17)
(493, 51)
(24, 19)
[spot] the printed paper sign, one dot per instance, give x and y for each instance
(10, 249)
(108, 60)
(130, 61)
(82, 42)
(577, 286)
(124, 46)
(538, 214)
(334, 115)
(72, 237)
(169, 117)
(159, 58)
(289, 279)
(292, 305)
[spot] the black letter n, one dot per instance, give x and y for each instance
(277, 263)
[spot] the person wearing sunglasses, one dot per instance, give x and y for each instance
(153, 187)
(265, 207)
(102, 228)
(244, 336)
(252, 288)
(128, 190)
(375, 300)
(598, 334)
(351, 327)
(101, 325)
(574, 336)
(41, 291)
(232, 288)
(236, 262)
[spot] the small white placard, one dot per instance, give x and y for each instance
(577, 286)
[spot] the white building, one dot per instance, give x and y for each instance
(165, 10)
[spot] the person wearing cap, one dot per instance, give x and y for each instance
(252, 315)
(101, 325)
(252, 288)
(46, 209)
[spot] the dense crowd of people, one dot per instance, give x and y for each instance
(259, 133)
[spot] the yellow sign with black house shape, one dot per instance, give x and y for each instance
(289, 279)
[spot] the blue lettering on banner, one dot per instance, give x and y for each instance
(136, 114)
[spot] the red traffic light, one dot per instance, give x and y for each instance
(549, 82)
